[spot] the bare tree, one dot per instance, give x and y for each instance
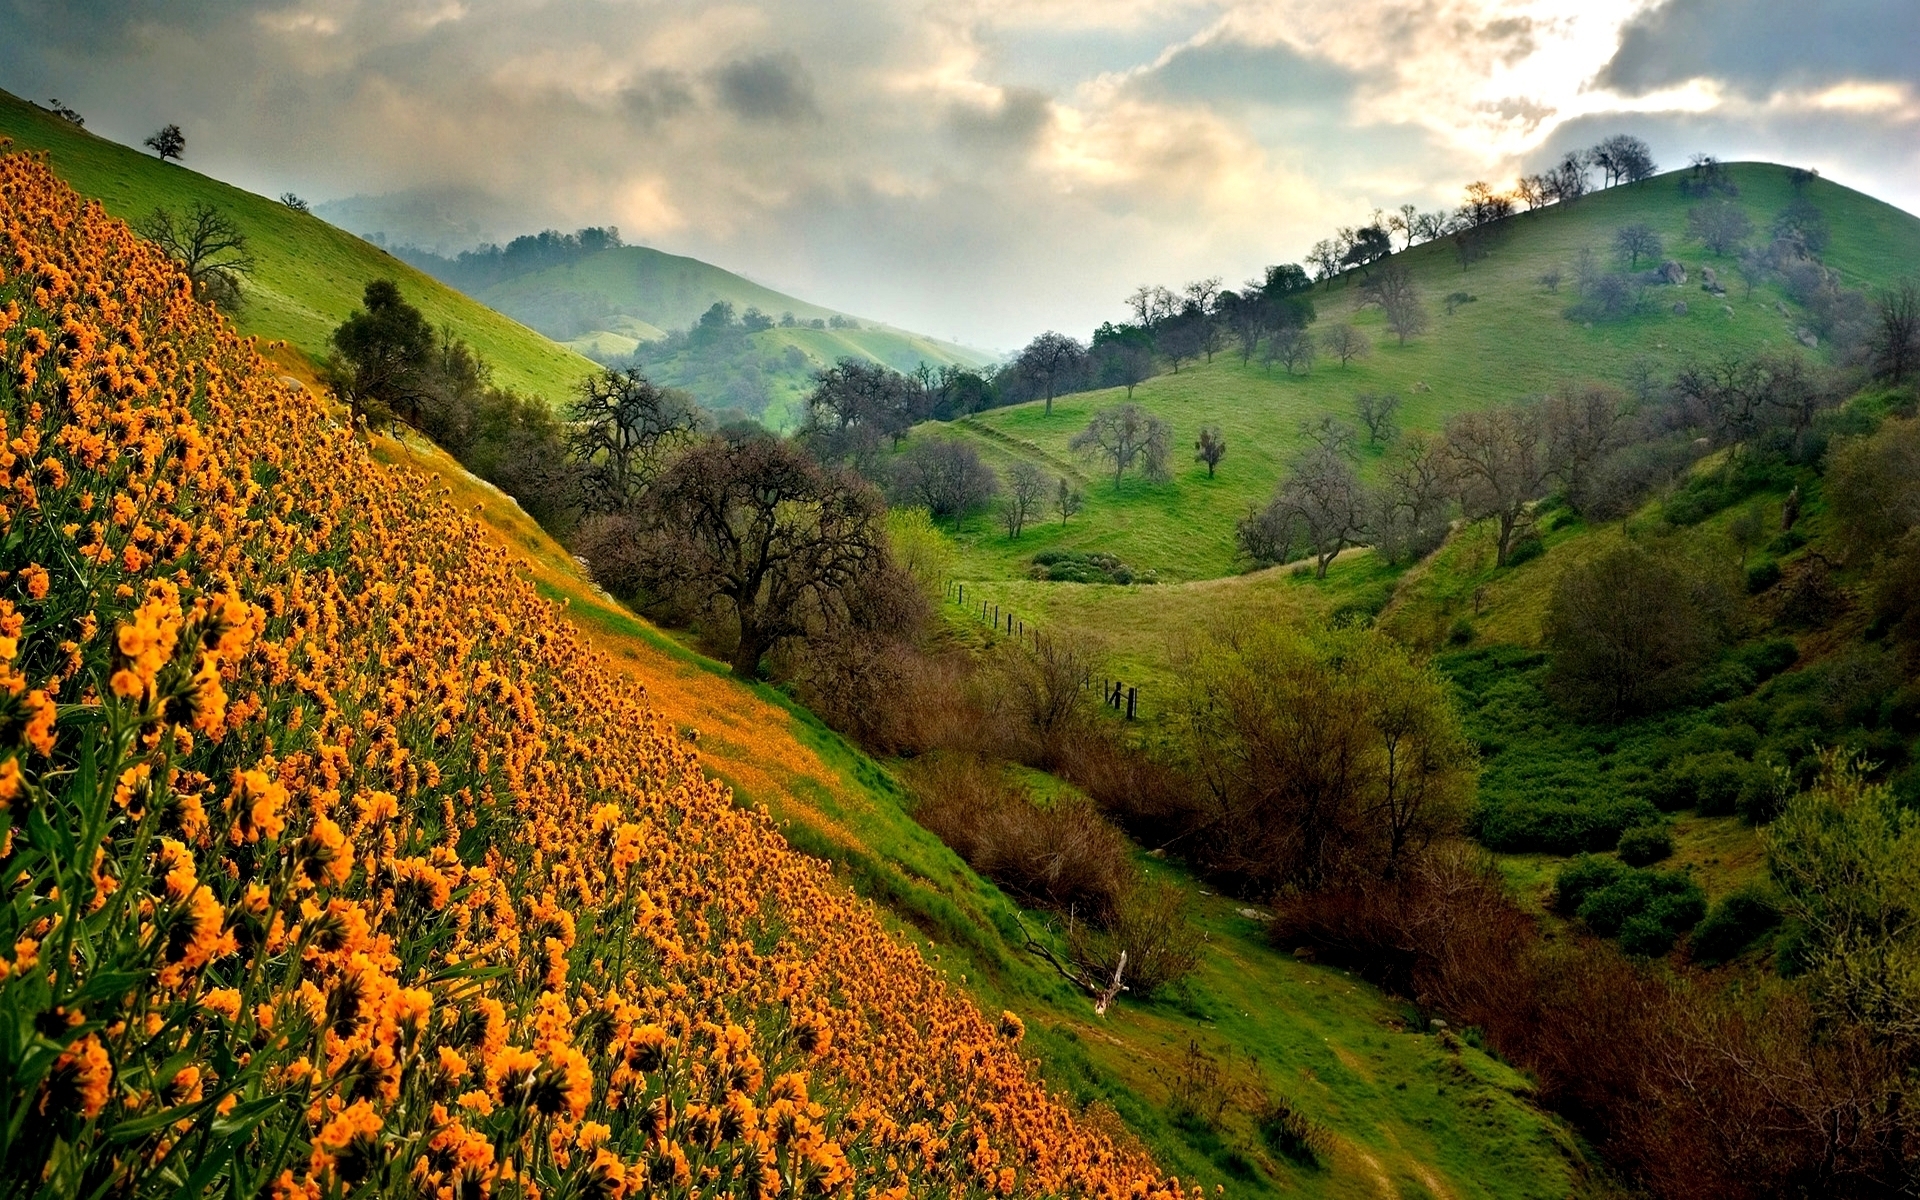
(1413, 505)
(944, 476)
(1719, 225)
(294, 201)
(759, 529)
(1124, 435)
(1291, 346)
(1377, 411)
(1066, 500)
(623, 429)
(168, 142)
(208, 245)
(1632, 242)
(1210, 449)
(1895, 339)
(1393, 289)
(1050, 361)
(1323, 500)
(1333, 435)
(1582, 424)
(1623, 158)
(1498, 463)
(1345, 342)
(1026, 488)
(1568, 181)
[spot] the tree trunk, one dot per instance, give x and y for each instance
(748, 652)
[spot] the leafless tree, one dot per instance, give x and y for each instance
(1050, 360)
(1414, 502)
(1632, 242)
(944, 476)
(209, 246)
(1498, 462)
(623, 429)
(168, 142)
(1895, 339)
(1066, 500)
(1345, 342)
(1377, 411)
(1323, 500)
(1026, 488)
(1583, 424)
(1393, 289)
(1291, 346)
(1719, 225)
(1124, 435)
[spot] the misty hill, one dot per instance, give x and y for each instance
(1509, 331)
(616, 303)
(308, 275)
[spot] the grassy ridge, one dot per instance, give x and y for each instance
(1512, 341)
(1408, 1115)
(309, 274)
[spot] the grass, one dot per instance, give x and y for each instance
(1407, 1113)
(1512, 342)
(309, 275)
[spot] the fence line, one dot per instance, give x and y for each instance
(1114, 693)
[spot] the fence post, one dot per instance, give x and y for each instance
(1133, 696)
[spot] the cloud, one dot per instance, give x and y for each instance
(767, 87)
(980, 168)
(1760, 46)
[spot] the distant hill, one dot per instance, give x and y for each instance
(309, 275)
(624, 302)
(1508, 336)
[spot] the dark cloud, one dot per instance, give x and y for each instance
(767, 87)
(1013, 124)
(657, 95)
(1758, 46)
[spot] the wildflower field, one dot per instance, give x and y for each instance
(332, 861)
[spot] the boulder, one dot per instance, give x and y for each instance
(1727, 309)
(1679, 308)
(1672, 272)
(1807, 337)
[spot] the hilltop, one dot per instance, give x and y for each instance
(1513, 339)
(309, 275)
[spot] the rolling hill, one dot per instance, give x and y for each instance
(309, 275)
(1510, 341)
(624, 303)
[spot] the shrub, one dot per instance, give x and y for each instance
(1734, 924)
(1069, 566)
(1761, 576)
(1151, 926)
(1292, 1134)
(1558, 826)
(1645, 844)
(1769, 658)
(1580, 878)
(1647, 910)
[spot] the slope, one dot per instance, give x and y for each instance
(309, 274)
(1512, 340)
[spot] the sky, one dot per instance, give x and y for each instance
(975, 169)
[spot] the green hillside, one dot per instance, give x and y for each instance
(1511, 341)
(309, 275)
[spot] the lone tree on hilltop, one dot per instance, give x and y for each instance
(1210, 449)
(1050, 361)
(760, 530)
(1623, 158)
(209, 247)
(624, 428)
(1124, 435)
(168, 142)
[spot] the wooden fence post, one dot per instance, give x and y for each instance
(1133, 696)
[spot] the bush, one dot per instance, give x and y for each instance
(1647, 910)
(1069, 566)
(1763, 793)
(1735, 923)
(1769, 658)
(1151, 927)
(1292, 1134)
(1645, 844)
(1525, 549)
(1580, 878)
(1558, 826)
(1761, 576)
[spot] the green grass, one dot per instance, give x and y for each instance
(309, 274)
(1514, 341)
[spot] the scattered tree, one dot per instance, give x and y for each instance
(168, 142)
(1026, 489)
(1583, 425)
(759, 529)
(1345, 342)
(1720, 226)
(1049, 361)
(1498, 463)
(1066, 500)
(384, 350)
(1623, 158)
(623, 429)
(1632, 242)
(1210, 449)
(1322, 503)
(1124, 435)
(69, 115)
(293, 201)
(945, 476)
(208, 245)
(1393, 289)
(855, 406)
(1122, 356)
(1292, 347)
(1894, 342)
(1378, 411)
(1413, 504)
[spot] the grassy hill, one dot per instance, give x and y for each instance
(1511, 341)
(1407, 1113)
(309, 274)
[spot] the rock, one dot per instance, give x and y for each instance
(1254, 914)
(1727, 309)
(1305, 954)
(1421, 386)
(1673, 272)
(1781, 308)
(1437, 1025)
(1679, 308)
(1708, 280)
(1807, 337)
